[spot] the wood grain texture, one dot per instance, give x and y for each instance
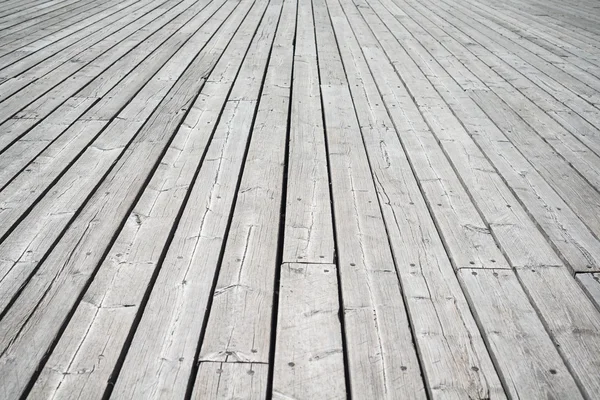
(225, 381)
(189, 266)
(309, 360)
(63, 147)
(299, 199)
(511, 226)
(375, 319)
(527, 360)
(591, 284)
(465, 232)
(50, 295)
(309, 225)
(562, 226)
(104, 73)
(570, 317)
(244, 294)
(117, 292)
(109, 32)
(70, 192)
(454, 357)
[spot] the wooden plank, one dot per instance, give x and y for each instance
(98, 70)
(537, 302)
(570, 317)
(557, 139)
(99, 157)
(49, 85)
(546, 51)
(14, 9)
(308, 221)
(569, 235)
(24, 15)
(514, 69)
(309, 361)
(572, 34)
(46, 301)
(591, 285)
(189, 267)
(455, 361)
(231, 380)
(375, 320)
(244, 293)
(103, 75)
(511, 226)
(18, 156)
(23, 43)
(580, 195)
(521, 56)
(47, 18)
(526, 358)
(28, 186)
(574, 79)
(117, 292)
(109, 32)
(547, 96)
(464, 231)
(569, 48)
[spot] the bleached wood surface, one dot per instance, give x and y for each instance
(299, 199)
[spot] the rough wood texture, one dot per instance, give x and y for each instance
(116, 294)
(52, 292)
(308, 225)
(299, 199)
(450, 351)
(591, 284)
(526, 357)
(239, 327)
(570, 317)
(189, 266)
(375, 319)
(226, 381)
(309, 359)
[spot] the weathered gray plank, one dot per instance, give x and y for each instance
(116, 294)
(375, 319)
(24, 43)
(188, 270)
(54, 88)
(453, 354)
(572, 113)
(570, 317)
(309, 362)
(116, 101)
(526, 357)
(46, 301)
(567, 232)
(464, 231)
(14, 8)
(243, 297)
(547, 53)
(582, 197)
(109, 32)
(557, 41)
(591, 285)
(224, 381)
(46, 19)
(308, 221)
(511, 226)
(571, 78)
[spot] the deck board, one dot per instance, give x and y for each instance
(299, 199)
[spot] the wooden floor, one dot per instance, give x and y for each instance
(300, 199)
